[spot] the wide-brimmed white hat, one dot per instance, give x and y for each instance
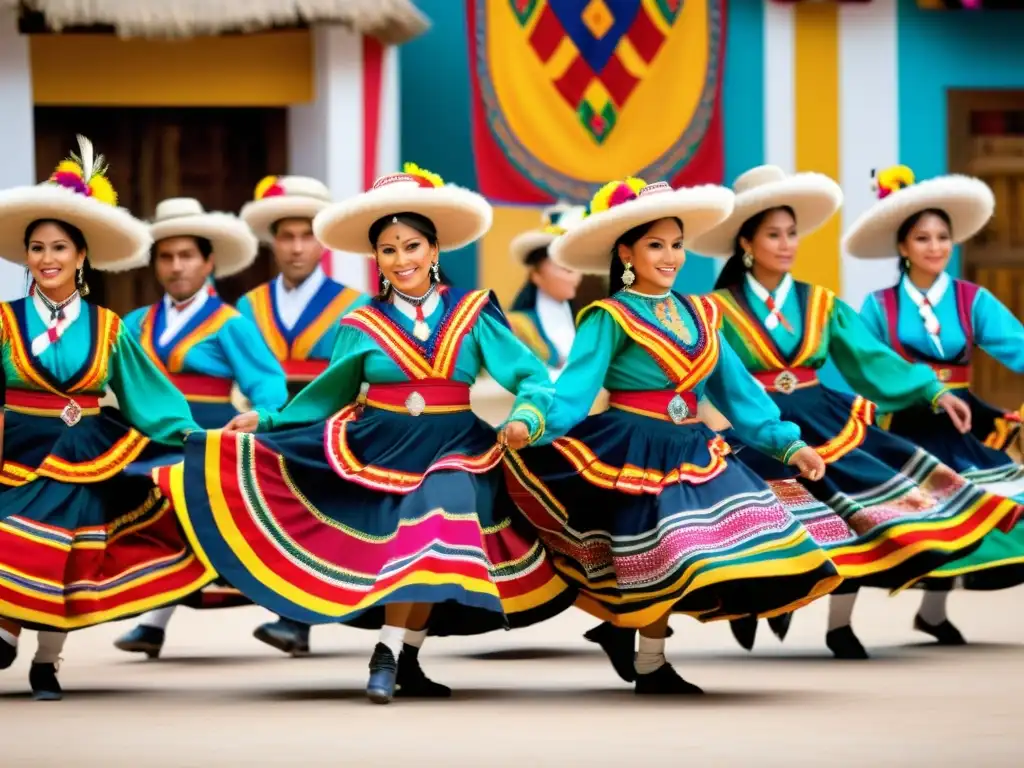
(813, 197)
(555, 221)
(459, 216)
(234, 245)
(967, 201)
(284, 197)
(78, 193)
(620, 206)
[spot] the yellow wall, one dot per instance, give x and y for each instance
(260, 70)
(497, 269)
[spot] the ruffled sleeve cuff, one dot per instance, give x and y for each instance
(935, 391)
(530, 416)
(787, 455)
(266, 419)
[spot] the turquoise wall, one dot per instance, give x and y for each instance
(436, 131)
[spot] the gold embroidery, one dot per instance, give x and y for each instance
(667, 313)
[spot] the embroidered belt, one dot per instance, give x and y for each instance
(202, 389)
(787, 381)
(952, 375)
(430, 396)
(664, 404)
(70, 409)
(303, 370)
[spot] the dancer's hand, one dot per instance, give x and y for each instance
(515, 435)
(810, 464)
(244, 422)
(958, 411)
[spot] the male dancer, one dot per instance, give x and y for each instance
(203, 345)
(297, 312)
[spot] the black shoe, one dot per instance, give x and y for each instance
(412, 682)
(380, 688)
(43, 679)
(664, 681)
(8, 653)
(619, 644)
(745, 631)
(142, 639)
(944, 633)
(844, 644)
(285, 635)
(780, 625)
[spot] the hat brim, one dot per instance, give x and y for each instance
(115, 240)
(967, 201)
(525, 243)
(587, 247)
(234, 245)
(261, 215)
(814, 198)
(459, 216)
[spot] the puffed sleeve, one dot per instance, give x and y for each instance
(329, 392)
(258, 373)
(753, 414)
(598, 340)
(873, 369)
(517, 369)
(874, 319)
(146, 398)
(997, 331)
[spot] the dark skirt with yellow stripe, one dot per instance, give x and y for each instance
(981, 457)
(397, 509)
(906, 512)
(646, 516)
(80, 542)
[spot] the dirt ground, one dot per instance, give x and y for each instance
(536, 697)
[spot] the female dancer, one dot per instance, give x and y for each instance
(392, 514)
(929, 317)
(906, 512)
(541, 315)
(80, 543)
(646, 511)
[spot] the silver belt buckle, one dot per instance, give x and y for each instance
(415, 404)
(72, 413)
(678, 410)
(786, 382)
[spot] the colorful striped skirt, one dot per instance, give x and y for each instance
(980, 456)
(333, 521)
(82, 543)
(905, 512)
(646, 516)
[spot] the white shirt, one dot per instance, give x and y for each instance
(771, 322)
(71, 312)
(291, 303)
(409, 310)
(557, 321)
(175, 319)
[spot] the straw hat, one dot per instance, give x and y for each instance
(79, 193)
(459, 216)
(619, 206)
(967, 201)
(234, 245)
(284, 197)
(555, 220)
(813, 197)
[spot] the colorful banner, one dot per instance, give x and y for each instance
(568, 94)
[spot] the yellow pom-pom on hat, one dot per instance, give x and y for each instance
(615, 192)
(86, 174)
(891, 179)
(267, 184)
(422, 173)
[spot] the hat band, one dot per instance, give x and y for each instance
(402, 178)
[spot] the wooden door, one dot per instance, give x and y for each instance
(986, 135)
(215, 155)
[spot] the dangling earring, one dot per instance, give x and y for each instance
(83, 288)
(748, 260)
(435, 272)
(385, 284)
(628, 278)
(906, 265)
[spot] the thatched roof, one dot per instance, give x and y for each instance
(391, 21)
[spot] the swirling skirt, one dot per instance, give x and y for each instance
(645, 517)
(333, 521)
(905, 511)
(80, 542)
